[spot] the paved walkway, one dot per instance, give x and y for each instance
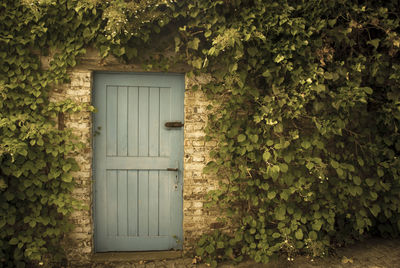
(372, 253)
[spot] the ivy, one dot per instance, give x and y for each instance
(36, 150)
(306, 115)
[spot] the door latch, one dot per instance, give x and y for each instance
(176, 175)
(174, 124)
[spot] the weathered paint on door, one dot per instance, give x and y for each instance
(138, 202)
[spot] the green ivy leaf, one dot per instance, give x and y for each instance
(374, 195)
(357, 180)
(374, 43)
(317, 225)
(66, 167)
(271, 195)
(313, 235)
(279, 58)
(194, 44)
(334, 164)
(380, 172)
(306, 144)
(280, 212)
(375, 209)
(241, 138)
(299, 234)
(283, 167)
(199, 251)
(13, 241)
(266, 156)
(276, 235)
(210, 249)
(370, 182)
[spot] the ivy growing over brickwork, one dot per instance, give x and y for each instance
(36, 150)
(307, 123)
(306, 111)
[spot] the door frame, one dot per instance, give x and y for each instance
(181, 172)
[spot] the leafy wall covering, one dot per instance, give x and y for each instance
(307, 108)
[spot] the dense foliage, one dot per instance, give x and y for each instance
(308, 101)
(35, 162)
(306, 114)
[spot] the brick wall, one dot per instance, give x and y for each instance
(196, 219)
(79, 243)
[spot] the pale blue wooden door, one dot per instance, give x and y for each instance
(138, 201)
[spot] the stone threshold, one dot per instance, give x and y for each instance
(136, 256)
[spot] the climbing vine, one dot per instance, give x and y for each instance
(307, 119)
(36, 150)
(306, 114)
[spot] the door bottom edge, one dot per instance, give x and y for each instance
(124, 256)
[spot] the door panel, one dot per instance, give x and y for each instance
(138, 203)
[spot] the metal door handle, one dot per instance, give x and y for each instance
(172, 169)
(174, 124)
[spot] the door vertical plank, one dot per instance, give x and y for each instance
(164, 204)
(112, 205)
(132, 203)
(153, 203)
(133, 121)
(143, 203)
(176, 216)
(143, 121)
(122, 123)
(111, 120)
(122, 203)
(154, 121)
(165, 116)
(99, 158)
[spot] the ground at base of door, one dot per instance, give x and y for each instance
(372, 253)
